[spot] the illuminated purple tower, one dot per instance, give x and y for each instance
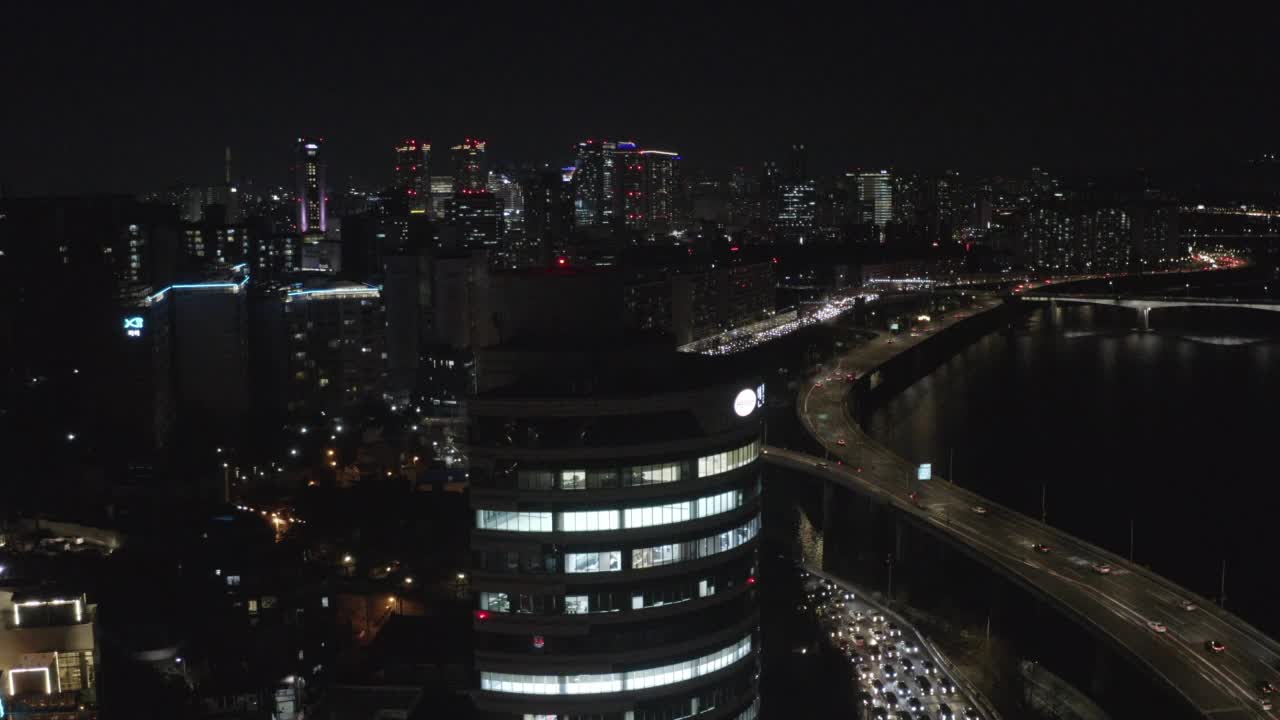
(309, 168)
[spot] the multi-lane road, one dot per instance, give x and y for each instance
(1143, 613)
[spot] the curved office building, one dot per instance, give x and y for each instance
(617, 512)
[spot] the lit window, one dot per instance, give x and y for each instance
(233, 580)
(608, 561)
(589, 520)
(616, 682)
(513, 521)
(728, 460)
(495, 602)
(576, 605)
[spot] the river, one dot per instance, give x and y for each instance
(1172, 433)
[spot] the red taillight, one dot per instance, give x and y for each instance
(751, 579)
(482, 614)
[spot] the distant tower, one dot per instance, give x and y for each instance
(469, 175)
(413, 175)
(875, 192)
(309, 167)
(798, 163)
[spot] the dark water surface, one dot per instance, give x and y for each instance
(1175, 430)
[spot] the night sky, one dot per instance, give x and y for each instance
(114, 99)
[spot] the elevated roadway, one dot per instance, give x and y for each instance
(1118, 605)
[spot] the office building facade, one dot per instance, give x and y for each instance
(617, 517)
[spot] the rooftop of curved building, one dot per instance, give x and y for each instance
(635, 366)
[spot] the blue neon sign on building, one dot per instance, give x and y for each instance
(133, 326)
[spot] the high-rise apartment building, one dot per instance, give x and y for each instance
(661, 186)
(309, 170)
(336, 356)
(594, 183)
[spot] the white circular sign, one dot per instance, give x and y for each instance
(745, 403)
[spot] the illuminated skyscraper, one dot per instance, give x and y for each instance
(593, 182)
(661, 186)
(875, 193)
(629, 201)
(309, 169)
(469, 174)
(413, 175)
(616, 492)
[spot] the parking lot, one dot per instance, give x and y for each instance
(899, 675)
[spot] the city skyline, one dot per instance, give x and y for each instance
(566, 362)
(981, 91)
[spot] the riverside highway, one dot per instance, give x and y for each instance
(1142, 613)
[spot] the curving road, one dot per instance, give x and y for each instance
(1119, 604)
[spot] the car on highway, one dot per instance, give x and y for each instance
(1041, 548)
(946, 687)
(894, 630)
(864, 672)
(818, 385)
(1157, 626)
(880, 714)
(907, 665)
(1266, 687)
(926, 687)
(890, 671)
(850, 377)
(877, 687)
(841, 442)
(971, 713)
(1265, 703)
(1188, 605)
(890, 700)
(929, 667)
(922, 716)
(906, 646)
(980, 509)
(1101, 568)
(859, 641)
(1214, 646)
(915, 705)
(944, 712)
